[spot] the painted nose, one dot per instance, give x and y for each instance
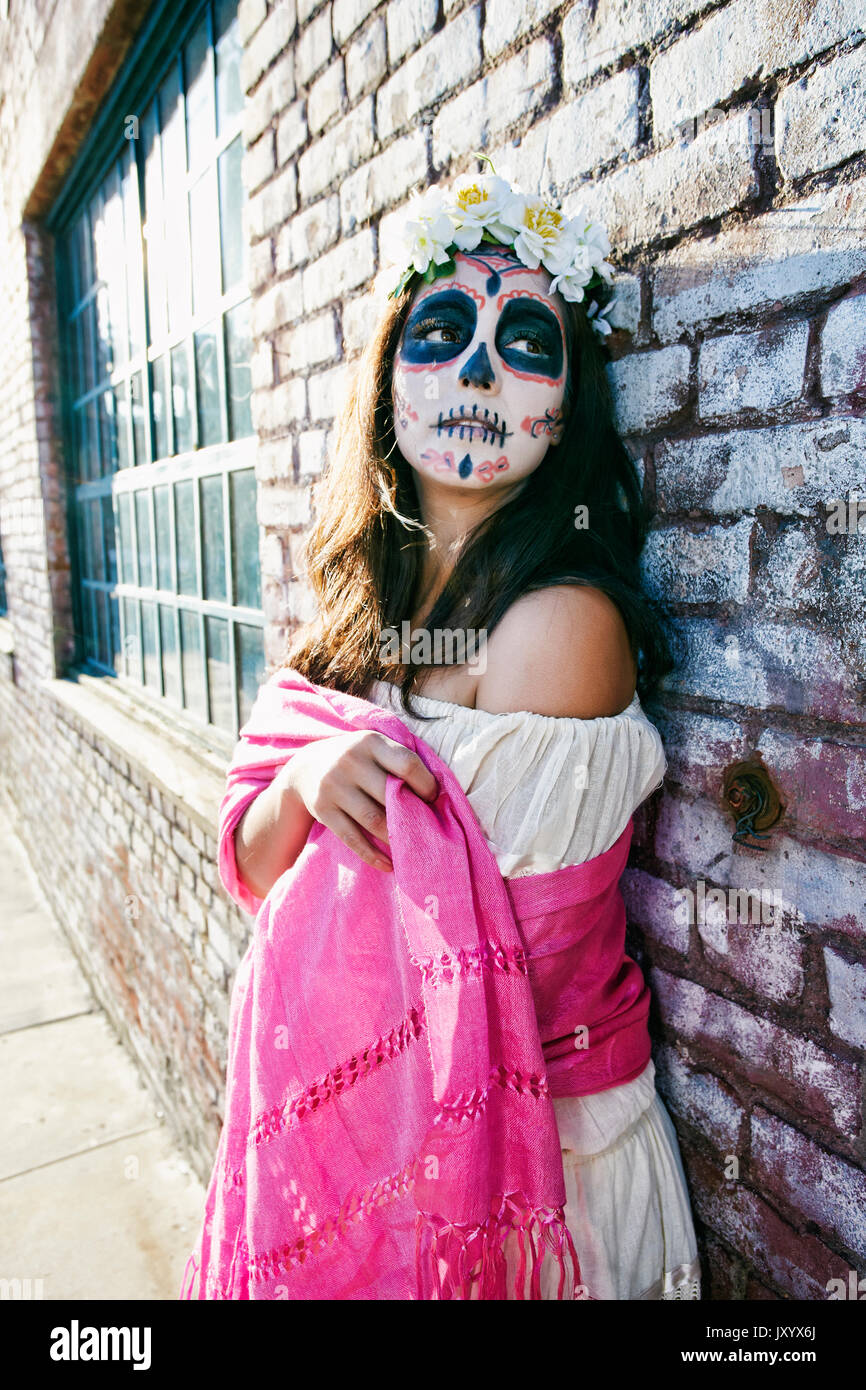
(478, 370)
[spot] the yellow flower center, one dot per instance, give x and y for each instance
(471, 196)
(543, 219)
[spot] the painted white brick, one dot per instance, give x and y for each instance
(595, 33)
(326, 97)
(277, 89)
(448, 60)
(251, 13)
(291, 131)
(624, 311)
(846, 982)
(410, 22)
(258, 162)
(311, 452)
(268, 42)
(344, 268)
(746, 39)
(279, 305)
(327, 391)
(507, 94)
(274, 203)
(343, 147)
(386, 177)
(649, 387)
(360, 316)
(651, 904)
(310, 344)
(313, 47)
(366, 61)
(349, 15)
(594, 128)
(793, 469)
(505, 21)
(708, 566)
(843, 348)
(283, 507)
(752, 371)
(699, 1098)
(675, 189)
(821, 120)
(308, 234)
(275, 411)
(779, 256)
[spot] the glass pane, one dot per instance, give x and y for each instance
(163, 538)
(115, 268)
(124, 513)
(107, 431)
(104, 359)
(218, 673)
(87, 345)
(121, 415)
(81, 262)
(160, 407)
(229, 97)
(139, 431)
(170, 663)
(133, 253)
(238, 379)
(245, 539)
(115, 662)
(203, 224)
(231, 215)
(213, 538)
(199, 96)
(83, 540)
(210, 430)
(153, 224)
(108, 533)
(191, 664)
(99, 601)
(142, 520)
(131, 642)
(148, 642)
(87, 460)
(177, 262)
(184, 515)
(95, 554)
(181, 398)
(250, 650)
(89, 623)
(76, 350)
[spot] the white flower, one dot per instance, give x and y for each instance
(576, 273)
(476, 205)
(597, 317)
(539, 227)
(427, 232)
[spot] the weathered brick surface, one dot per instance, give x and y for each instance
(722, 145)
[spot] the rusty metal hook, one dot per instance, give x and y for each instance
(754, 802)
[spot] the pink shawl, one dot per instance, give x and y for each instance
(395, 1041)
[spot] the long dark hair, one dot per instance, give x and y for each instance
(365, 553)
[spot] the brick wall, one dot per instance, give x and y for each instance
(723, 147)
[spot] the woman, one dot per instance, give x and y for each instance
(479, 487)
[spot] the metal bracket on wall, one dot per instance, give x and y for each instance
(753, 800)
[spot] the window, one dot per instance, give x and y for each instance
(156, 318)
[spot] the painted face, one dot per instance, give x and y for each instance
(479, 374)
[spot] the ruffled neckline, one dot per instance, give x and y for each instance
(632, 710)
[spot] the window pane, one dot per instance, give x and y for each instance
(115, 268)
(181, 398)
(213, 538)
(160, 407)
(218, 673)
(199, 96)
(142, 518)
(124, 512)
(250, 649)
(99, 600)
(95, 555)
(104, 359)
(238, 379)
(131, 644)
(153, 226)
(148, 641)
(139, 427)
(231, 215)
(203, 230)
(82, 273)
(107, 431)
(176, 225)
(229, 97)
(88, 334)
(86, 442)
(89, 624)
(163, 538)
(185, 526)
(245, 538)
(115, 662)
(210, 429)
(170, 664)
(132, 247)
(193, 678)
(108, 533)
(121, 415)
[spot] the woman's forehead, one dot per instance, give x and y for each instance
(492, 274)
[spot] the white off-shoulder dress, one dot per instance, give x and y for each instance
(547, 792)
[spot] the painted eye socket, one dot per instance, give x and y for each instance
(425, 329)
(535, 346)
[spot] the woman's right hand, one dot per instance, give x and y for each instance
(341, 780)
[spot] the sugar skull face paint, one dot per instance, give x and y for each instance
(479, 373)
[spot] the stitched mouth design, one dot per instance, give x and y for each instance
(488, 425)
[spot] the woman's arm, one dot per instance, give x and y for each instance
(271, 834)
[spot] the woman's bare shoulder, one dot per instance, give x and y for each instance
(561, 651)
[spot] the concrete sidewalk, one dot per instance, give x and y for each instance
(95, 1199)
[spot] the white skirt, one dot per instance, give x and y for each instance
(627, 1204)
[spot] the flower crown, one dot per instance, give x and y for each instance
(486, 208)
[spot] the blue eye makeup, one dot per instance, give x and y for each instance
(439, 327)
(529, 338)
